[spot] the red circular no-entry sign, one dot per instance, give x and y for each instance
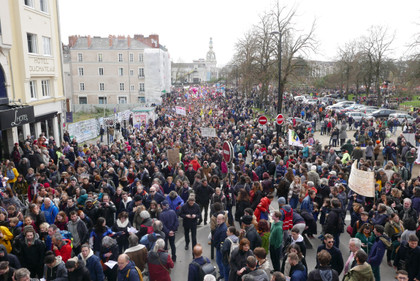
(262, 120)
(227, 151)
(279, 119)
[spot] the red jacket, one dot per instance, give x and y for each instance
(160, 264)
(64, 251)
(262, 207)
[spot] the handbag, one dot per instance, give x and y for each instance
(167, 269)
(350, 230)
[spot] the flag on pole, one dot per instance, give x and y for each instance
(201, 113)
(294, 139)
(211, 112)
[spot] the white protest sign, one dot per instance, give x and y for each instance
(208, 132)
(362, 182)
(180, 110)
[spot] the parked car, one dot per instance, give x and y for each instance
(401, 117)
(382, 113)
(357, 116)
(299, 120)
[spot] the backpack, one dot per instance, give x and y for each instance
(233, 246)
(67, 236)
(203, 270)
(10, 174)
(149, 228)
(149, 240)
(138, 271)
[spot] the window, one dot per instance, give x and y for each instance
(82, 100)
(82, 86)
(140, 57)
(102, 100)
(45, 84)
(121, 86)
(29, 3)
(120, 58)
(100, 58)
(101, 71)
(141, 87)
(131, 72)
(81, 71)
(47, 46)
(79, 57)
(101, 86)
(43, 5)
(32, 45)
(131, 57)
(32, 87)
(122, 100)
(131, 87)
(121, 71)
(141, 72)
(141, 99)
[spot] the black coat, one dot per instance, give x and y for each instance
(332, 225)
(253, 237)
(315, 274)
(240, 207)
(237, 261)
(186, 209)
(337, 262)
(203, 194)
(409, 260)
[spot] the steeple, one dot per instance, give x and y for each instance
(211, 55)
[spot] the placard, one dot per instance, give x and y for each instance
(208, 132)
(173, 156)
(362, 182)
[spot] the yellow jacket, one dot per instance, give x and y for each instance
(16, 173)
(5, 237)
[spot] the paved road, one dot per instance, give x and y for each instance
(180, 272)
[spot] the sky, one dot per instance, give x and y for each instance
(185, 26)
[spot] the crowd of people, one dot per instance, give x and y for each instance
(112, 211)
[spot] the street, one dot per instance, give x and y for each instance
(180, 271)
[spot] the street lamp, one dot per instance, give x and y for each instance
(280, 88)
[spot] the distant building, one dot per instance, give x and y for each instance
(31, 84)
(199, 71)
(116, 70)
(320, 69)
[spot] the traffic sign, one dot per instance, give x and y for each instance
(262, 120)
(227, 152)
(279, 119)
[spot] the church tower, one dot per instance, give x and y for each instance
(211, 55)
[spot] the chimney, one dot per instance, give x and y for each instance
(72, 40)
(128, 41)
(154, 40)
(110, 37)
(89, 41)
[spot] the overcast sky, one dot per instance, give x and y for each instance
(185, 26)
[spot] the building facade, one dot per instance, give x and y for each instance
(199, 71)
(116, 70)
(31, 84)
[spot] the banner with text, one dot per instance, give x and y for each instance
(208, 132)
(362, 182)
(180, 110)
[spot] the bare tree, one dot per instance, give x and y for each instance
(347, 60)
(376, 47)
(294, 43)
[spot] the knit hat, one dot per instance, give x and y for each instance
(281, 201)
(164, 203)
(247, 219)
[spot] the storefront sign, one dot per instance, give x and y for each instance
(15, 117)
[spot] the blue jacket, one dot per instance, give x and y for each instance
(50, 213)
(93, 264)
(219, 235)
(169, 220)
(193, 269)
(298, 272)
(307, 205)
(377, 251)
(175, 204)
(133, 274)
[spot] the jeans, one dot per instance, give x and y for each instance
(219, 261)
(206, 209)
(376, 273)
(193, 235)
(275, 254)
(409, 166)
(226, 270)
(171, 240)
(294, 202)
(337, 240)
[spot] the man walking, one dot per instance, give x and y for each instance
(170, 223)
(378, 250)
(219, 237)
(336, 256)
(190, 212)
(276, 240)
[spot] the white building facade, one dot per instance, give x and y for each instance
(116, 70)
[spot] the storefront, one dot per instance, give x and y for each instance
(12, 120)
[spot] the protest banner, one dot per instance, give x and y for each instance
(173, 156)
(208, 132)
(180, 110)
(362, 182)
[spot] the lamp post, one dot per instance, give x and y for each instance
(280, 88)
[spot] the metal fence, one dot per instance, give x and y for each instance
(96, 108)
